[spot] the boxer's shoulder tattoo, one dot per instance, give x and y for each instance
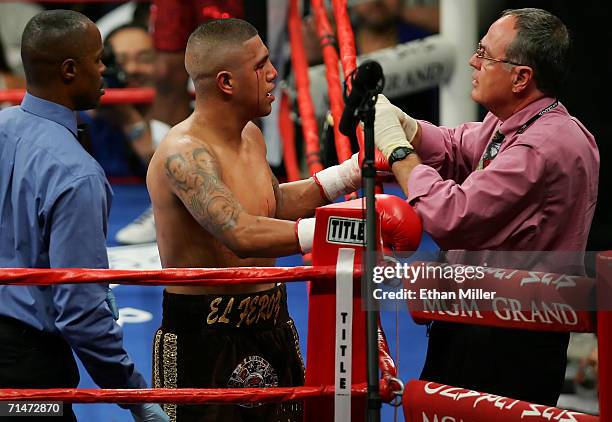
(278, 193)
(195, 174)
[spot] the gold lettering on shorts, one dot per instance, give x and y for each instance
(271, 305)
(263, 303)
(213, 310)
(228, 308)
(277, 301)
(244, 303)
(252, 308)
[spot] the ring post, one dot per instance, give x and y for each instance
(338, 227)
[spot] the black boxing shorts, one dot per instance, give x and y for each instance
(228, 341)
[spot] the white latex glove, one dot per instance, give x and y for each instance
(392, 127)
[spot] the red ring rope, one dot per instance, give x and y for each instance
(287, 134)
(348, 52)
(170, 276)
(174, 395)
(111, 96)
(302, 85)
(330, 58)
(346, 38)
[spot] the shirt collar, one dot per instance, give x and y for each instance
(514, 122)
(51, 111)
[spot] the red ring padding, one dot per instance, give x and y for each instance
(604, 330)
(438, 402)
(530, 290)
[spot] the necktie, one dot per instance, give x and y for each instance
(491, 150)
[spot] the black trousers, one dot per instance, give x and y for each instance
(520, 364)
(30, 358)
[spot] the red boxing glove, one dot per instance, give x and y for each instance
(400, 227)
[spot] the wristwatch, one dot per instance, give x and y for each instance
(398, 154)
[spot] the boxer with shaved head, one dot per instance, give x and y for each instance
(217, 204)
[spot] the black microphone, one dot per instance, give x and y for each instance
(367, 81)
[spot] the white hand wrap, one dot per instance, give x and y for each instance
(304, 229)
(392, 127)
(339, 180)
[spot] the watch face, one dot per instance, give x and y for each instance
(399, 154)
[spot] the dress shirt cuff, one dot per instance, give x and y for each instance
(431, 149)
(420, 181)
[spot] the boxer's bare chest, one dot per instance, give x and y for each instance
(250, 181)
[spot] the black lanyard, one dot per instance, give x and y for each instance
(494, 145)
(536, 117)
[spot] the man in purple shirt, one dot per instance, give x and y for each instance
(524, 179)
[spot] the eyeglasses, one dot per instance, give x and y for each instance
(480, 53)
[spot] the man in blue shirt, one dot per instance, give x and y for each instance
(53, 214)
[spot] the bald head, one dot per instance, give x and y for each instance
(212, 47)
(51, 37)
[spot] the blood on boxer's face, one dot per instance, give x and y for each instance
(263, 74)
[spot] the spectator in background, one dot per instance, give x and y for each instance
(13, 18)
(136, 12)
(379, 24)
(171, 24)
(424, 14)
(8, 79)
(382, 24)
(123, 136)
(132, 50)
